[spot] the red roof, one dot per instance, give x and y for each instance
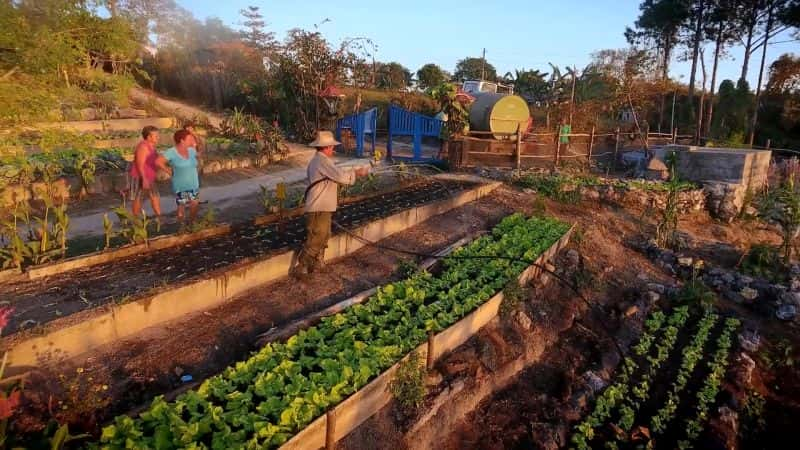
(331, 91)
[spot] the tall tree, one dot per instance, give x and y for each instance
(724, 28)
(659, 22)
(472, 68)
(393, 75)
(530, 84)
(254, 33)
(698, 22)
(771, 13)
(754, 18)
(730, 122)
(430, 75)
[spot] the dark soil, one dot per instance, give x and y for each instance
(39, 302)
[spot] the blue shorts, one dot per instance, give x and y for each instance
(184, 197)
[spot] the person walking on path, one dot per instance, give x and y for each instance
(182, 158)
(321, 202)
(142, 173)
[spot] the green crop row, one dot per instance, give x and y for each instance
(692, 354)
(708, 393)
(641, 391)
(618, 394)
(265, 400)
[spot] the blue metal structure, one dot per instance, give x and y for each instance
(360, 124)
(406, 123)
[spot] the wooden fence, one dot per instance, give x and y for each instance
(518, 150)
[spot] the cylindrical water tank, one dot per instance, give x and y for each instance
(498, 113)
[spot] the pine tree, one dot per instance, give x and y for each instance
(254, 34)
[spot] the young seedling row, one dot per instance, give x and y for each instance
(265, 400)
(621, 416)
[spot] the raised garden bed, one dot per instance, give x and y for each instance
(208, 271)
(282, 389)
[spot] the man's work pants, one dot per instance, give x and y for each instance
(318, 230)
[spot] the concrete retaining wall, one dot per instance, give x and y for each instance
(172, 302)
(727, 165)
(325, 431)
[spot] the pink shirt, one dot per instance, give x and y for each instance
(150, 167)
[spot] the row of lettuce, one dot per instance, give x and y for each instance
(642, 378)
(265, 400)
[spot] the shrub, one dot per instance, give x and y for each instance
(408, 384)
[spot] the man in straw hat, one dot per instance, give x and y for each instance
(321, 201)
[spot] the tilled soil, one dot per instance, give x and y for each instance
(39, 302)
(202, 344)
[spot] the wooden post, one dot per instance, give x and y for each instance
(646, 136)
(330, 430)
(616, 148)
(429, 361)
(519, 147)
(558, 145)
(591, 144)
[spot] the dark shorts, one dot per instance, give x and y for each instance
(184, 197)
(136, 191)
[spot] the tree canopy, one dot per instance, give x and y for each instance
(472, 69)
(431, 75)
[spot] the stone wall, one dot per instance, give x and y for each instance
(688, 201)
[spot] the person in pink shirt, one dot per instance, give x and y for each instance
(143, 171)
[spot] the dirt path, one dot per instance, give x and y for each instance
(174, 107)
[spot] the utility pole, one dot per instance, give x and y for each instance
(672, 119)
(572, 95)
(373, 71)
(483, 65)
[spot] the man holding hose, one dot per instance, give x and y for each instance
(321, 201)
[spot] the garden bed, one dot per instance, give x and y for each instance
(464, 284)
(239, 259)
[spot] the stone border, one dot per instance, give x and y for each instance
(119, 321)
(348, 415)
(111, 124)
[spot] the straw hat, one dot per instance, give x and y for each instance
(324, 139)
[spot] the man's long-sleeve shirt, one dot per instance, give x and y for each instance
(322, 197)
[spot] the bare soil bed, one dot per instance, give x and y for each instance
(39, 302)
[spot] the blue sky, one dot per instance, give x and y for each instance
(515, 33)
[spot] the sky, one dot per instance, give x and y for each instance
(516, 34)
